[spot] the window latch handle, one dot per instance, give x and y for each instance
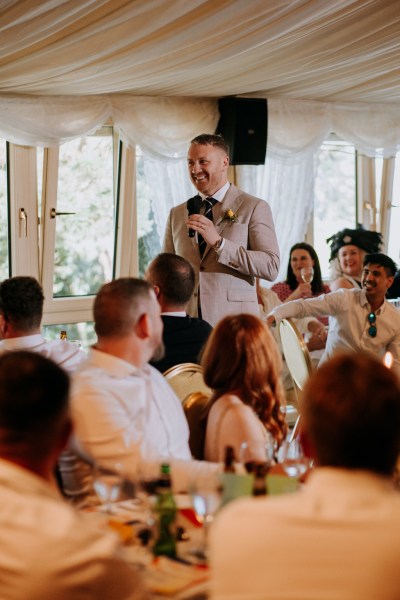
(54, 213)
(23, 223)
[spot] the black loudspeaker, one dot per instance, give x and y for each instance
(243, 124)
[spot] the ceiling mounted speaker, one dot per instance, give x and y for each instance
(243, 124)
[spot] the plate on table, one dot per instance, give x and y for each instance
(167, 577)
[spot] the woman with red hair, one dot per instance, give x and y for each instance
(242, 365)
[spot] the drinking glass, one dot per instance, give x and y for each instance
(107, 483)
(258, 451)
(294, 462)
(147, 484)
(205, 493)
(307, 274)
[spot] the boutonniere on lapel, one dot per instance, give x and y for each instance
(230, 217)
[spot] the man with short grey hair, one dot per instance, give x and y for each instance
(124, 410)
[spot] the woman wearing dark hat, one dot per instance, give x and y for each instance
(348, 248)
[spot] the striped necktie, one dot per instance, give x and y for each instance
(208, 203)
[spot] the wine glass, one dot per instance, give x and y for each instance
(205, 493)
(307, 274)
(257, 451)
(294, 462)
(107, 483)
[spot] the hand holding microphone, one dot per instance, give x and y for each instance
(203, 225)
(193, 206)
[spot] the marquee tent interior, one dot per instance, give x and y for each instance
(155, 68)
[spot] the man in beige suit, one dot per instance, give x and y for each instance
(239, 242)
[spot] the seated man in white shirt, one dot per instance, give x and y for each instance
(338, 537)
(47, 549)
(21, 311)
(124, 410)
(362, 319)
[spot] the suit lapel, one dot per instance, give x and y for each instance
(231, 201)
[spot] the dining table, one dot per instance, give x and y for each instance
(134, 521)
(185, 576)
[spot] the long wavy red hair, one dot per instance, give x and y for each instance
(241, 357)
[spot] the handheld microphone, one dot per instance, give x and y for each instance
(193, 206)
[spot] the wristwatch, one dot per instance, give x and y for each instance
(218, 243)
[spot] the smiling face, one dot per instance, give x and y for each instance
(298, 259)
(350, 259)
(208, 167)
(376, 282)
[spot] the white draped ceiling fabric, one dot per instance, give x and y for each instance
(156, 69)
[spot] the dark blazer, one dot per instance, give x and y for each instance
(183, 337)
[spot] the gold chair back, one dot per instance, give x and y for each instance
(195, 406)
(296, 352)
(185, 379)
(298, 361)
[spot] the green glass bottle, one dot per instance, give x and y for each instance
(166, 510)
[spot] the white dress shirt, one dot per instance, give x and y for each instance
(49, 551)
(123, 413)
(336, 539)
(66, 355)
(348, 329)
(132, 416)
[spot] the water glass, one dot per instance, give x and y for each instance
(294, 462)
(307, 274)
(206, 495)
(107, 483)
(257, 451)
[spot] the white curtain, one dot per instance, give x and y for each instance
(162, 127)
(296, 127)
(170, 185)
(288, 188)
(296, 131)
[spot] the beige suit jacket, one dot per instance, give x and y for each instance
(225, 279)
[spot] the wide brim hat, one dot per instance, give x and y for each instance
(370, 241)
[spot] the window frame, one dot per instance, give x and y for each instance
(32, 251)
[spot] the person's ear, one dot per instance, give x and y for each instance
(143, 326)
(157, 290)
(389, 281)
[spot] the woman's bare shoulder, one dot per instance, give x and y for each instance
(340, 283)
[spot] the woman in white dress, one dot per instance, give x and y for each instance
(242, 365)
